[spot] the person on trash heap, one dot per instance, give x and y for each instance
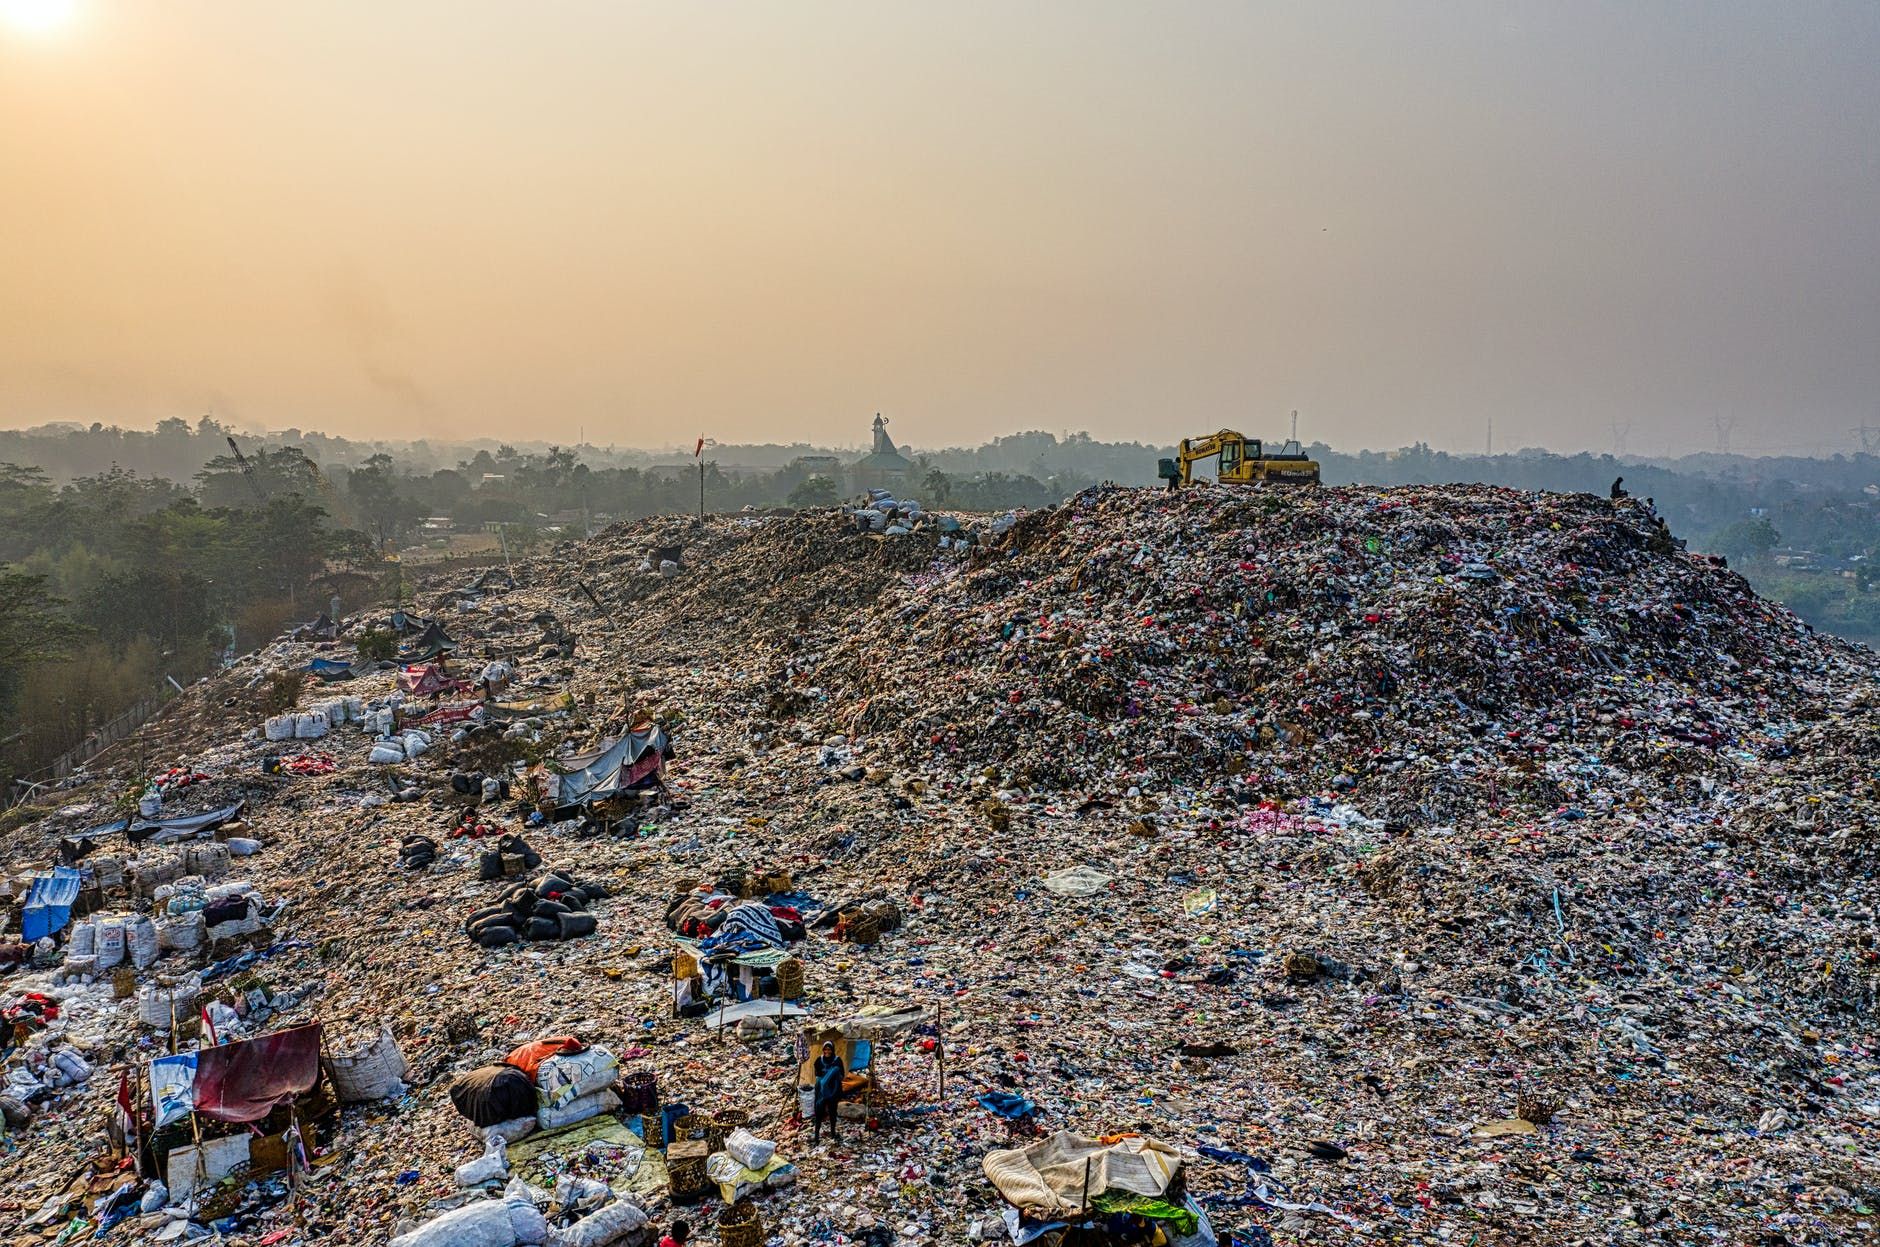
(680, 1236)
(829, 1075)
(1618, 489)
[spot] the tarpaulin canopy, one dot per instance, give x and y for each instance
(49, 903)
(245, 1081)
(617, 766)
(1050, 1178)
(428, 644)
(881, 1022)
(182, 827)
(429, 681)
(160, 830)
(332, 670)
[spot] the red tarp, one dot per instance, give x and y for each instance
(429, 681)
(244, 1081)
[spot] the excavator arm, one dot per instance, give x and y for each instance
(1244, 461)
(1229, 445)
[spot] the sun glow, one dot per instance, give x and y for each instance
(38, 17)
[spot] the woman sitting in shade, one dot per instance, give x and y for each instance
(829, 1074)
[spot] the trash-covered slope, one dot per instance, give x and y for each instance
(1399, 644)
(1318, 829)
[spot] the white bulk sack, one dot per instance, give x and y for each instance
(578, 1110)
(562, 1079)
(749, 1150)
(141, 942)
(610, 1224)
(110, 945)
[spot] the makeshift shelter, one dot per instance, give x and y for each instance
(855, 1039)
(1071, 1178)
(333, 671)
(49, 903)
(241, 1084)
(321, 629)
(430, 681)
(428, 644)
(155, 830)
(731, 977)
(630, 763)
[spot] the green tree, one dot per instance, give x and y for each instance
(938, 486)
(815, 491)
(1748, 540)
(33, 630)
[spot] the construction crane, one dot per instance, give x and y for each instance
(1244, 461)
(248, 470)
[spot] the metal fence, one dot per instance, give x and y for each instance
(96, 742)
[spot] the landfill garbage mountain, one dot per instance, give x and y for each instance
(1414, 865)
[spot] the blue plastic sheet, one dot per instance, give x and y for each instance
(49, 903)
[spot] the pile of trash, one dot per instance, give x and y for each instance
(1424, 865)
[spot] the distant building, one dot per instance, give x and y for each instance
(884, 467)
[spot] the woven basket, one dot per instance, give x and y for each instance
(1536, 1107)
(687, 1179)
(740, 1226)
(790, 979)
(864, 928)
(639, 1092)
(374, 1072)
(692, 1125)
(684, 965)
(729, 1119)
(714, 1139)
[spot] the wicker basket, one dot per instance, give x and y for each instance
(1537, 1107)
(374, 1072)
(691, 1126)
(639, 1092)
(714, 1140)
(684, 965)
(864, 928)
(729, 1119)
(790, 979)
(685, 1165)
(740, 1226)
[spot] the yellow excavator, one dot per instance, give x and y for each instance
(1244, 461)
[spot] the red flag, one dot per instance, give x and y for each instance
(699, 449)
(209, 1026)
(127, 1117)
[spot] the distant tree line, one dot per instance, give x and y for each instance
(126, 555)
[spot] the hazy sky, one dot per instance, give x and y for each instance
(767, 222)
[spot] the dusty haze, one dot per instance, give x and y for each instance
(1592, 223)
